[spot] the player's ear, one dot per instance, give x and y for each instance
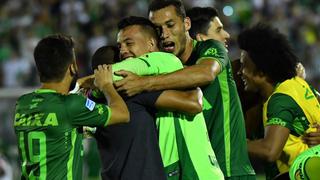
(73, 69)
(187, 23)
(152, 45)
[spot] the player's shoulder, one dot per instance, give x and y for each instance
(159, 54)
(210, 43)
(25, 96)
(74, 98)
(162, 57)
(280, 101)
(75, 102)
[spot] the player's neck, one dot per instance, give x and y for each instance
(266, 90)
(188, 50)
(61, 87)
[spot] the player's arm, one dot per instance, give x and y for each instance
(189, 102)
(281, 114)
(270, 147)
(212, 61)
(189, 77)
(103, 80)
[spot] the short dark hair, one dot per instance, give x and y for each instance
(53, 54)
(146, 24)
(270, 51)
(200, 19)
(105, 55)
(160, 4)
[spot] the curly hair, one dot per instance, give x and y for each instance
(270, 51)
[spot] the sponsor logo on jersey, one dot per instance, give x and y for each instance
(37, 119)
(90, 104)
(211, 52)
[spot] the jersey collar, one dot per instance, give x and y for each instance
(45, 91)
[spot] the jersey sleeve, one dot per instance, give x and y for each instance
(281, 111)
(85, 112)
(212, 49)
(147, 99)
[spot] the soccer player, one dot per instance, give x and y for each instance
(206, 24)
(47, 119)
(290, 108)
(208, 67)
(174, 128)
(306, 165)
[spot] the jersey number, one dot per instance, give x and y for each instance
(33, 163)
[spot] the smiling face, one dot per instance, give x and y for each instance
(132, 42)
(174, 28)
(215, 32)
(250, 75)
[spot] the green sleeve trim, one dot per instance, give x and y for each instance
(108, 117)
(39, 91)
(277, 121)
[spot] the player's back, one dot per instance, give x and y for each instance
(49, 144)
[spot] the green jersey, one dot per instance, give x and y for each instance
(46, 123)
(282, 110)
(185, 147)
(222, 111)
(153, 63)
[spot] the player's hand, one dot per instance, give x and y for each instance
(86, 82)
(103, 76)
(312, 138)
(131, 84)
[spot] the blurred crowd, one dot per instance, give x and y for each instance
(94, 23)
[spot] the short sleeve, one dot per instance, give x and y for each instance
(85, 112)
(281, 111)
(147, 99)
(215, 50)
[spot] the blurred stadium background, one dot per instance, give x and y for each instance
(93, 24)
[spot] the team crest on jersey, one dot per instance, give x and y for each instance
(211, 52)
(90, 104)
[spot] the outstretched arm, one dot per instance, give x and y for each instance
(189, 77)
(189, 102)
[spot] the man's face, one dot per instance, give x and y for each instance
(248, 72)
(217, 32)
(173, 37)
(132, 42)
